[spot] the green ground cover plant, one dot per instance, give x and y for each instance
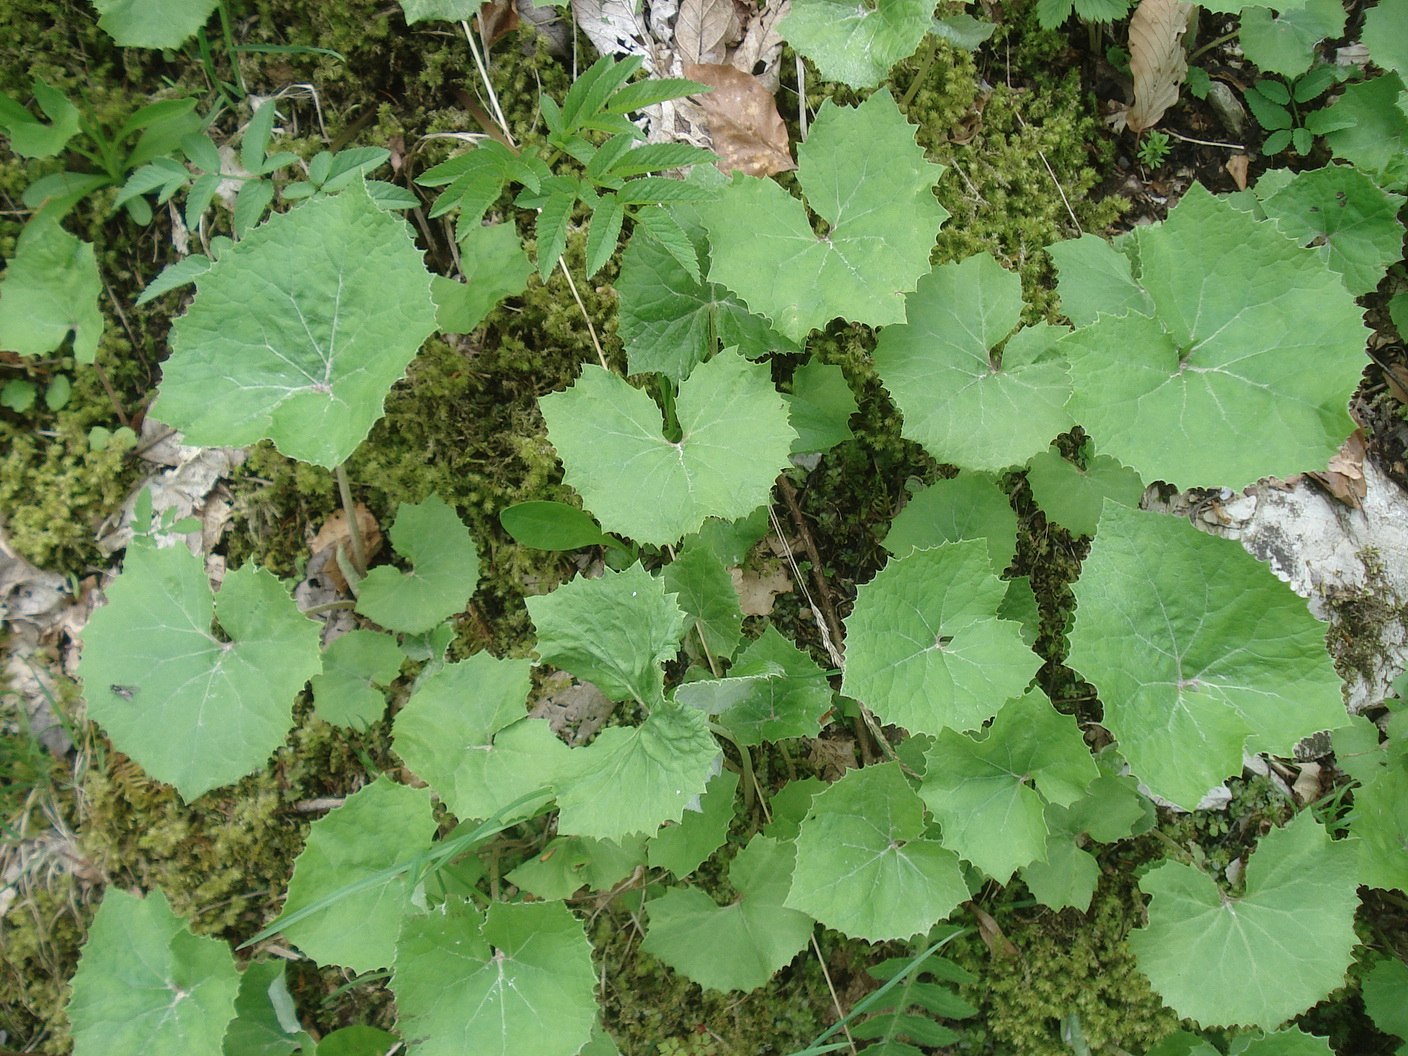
(1209, 349)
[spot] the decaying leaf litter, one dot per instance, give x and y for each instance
(628, 27)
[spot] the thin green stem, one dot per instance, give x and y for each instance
(1212, 44)
(228, 32)
(354, 530)
(926, 64)
(745, 762)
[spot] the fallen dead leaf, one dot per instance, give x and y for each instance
(496, 19)
(704, 29)
(575, 710)
(747, 131)
(998, 944)
(1157, 60)
(1396, 378)
(1237, 168)
(756, 590)
(1344, 476)
(831, 757)
(333, 534)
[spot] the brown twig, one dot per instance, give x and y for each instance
(789, 496)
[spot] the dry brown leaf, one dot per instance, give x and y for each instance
(334, 533)
(496, 18)
(1344, 476)
(744, 125)
(1237, 168)
(703, 28)
(575, 710)
(998, 944)
(1157, 61)
(1396, 378)
(756, 590)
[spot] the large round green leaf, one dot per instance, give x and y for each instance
(924, 646)
(195, 708)
(1244, 368)
(856, 43)
(1198, 652)
(517, 982)
(1259, 959)
(343, 304)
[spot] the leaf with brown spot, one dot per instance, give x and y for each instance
(1157, 60)
(746, 129)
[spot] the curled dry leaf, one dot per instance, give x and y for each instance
(744, 125)
(496, 19)
(704, 29)
(1157, 61)
(1344, 476)
(334, 534)
(1237, 168)
(756, 590)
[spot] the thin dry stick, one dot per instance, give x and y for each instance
(789, 495)
(1203, 142)
(836, 1001)
(600, 355)
(831, 650)
(488, 86)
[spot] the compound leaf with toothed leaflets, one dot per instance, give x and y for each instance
(614, 631)
(146, 984)
(195, 709)
(735, 439)
(377, 827)
(464, 731)
(633, 780)
(925, 647)
(965, 403)
(856, 44)
(1243, 369)
(445, 570)
(739, 946)
(990, 795)
(863, 864)
(1286, 941)
(344, 304)
(515, 981)
(863, 173)
(1198, 653)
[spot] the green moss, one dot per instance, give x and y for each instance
(41, 935)
(1069, 963)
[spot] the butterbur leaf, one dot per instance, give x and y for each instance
(1242, 371)
(1198, 653)
(1051, 13)
(990, 795)
(968, 506)
(259, 1028)
(774, 691)
(1073, 497)
(1386, 35)
(446, 570)
(681, 848)
(356, 1040)
(353, 666)
(1288, 1042)
(443, 10)
(925, 648)
(856, 44)
(464, 730)
(820, 406)
(961, 401)
(146, 984)
(1381, 815)
(670, 319)
(517, 981)
(345, 303)
(1095, 277)
(570, 863)
(552, 526)
(863, 864)
(705, 591)
(614, 631)
(31, 138)
(1351, 224)
(494, 267)
(1370, 130)
(50, 289)
(152, 23)
(883, 219)
(735, 439)
(376, 828)
(1386, 996)
(634, 780)
(739, 946)
(155, 671)
(1285, 42)
(1286, 940)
